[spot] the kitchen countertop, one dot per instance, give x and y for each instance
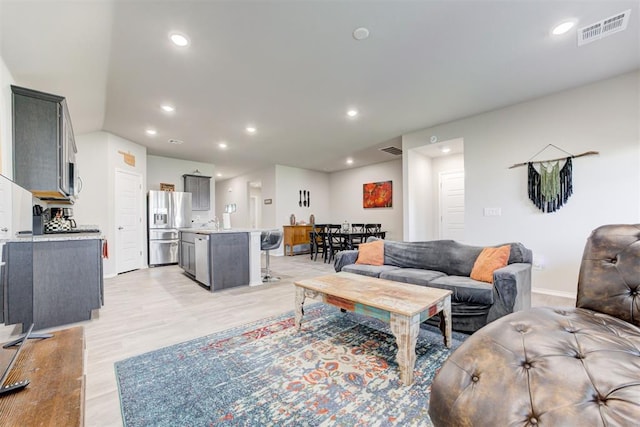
(70, 236)
(54, 237)
(213, 231)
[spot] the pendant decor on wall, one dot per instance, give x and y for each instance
(550, 188)
(550, 185)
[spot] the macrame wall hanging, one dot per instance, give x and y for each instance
(549, 187)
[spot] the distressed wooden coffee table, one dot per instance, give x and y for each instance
(402, 305)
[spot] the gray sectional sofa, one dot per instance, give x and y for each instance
(447, 264)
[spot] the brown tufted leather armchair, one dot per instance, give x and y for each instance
(556, 367)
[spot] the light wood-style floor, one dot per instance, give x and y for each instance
(152, 308)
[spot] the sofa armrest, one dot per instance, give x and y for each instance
(511, 290)
(345, 258)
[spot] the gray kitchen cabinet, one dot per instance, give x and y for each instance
(187, 255)
(66, 281)
(44, 148)
(17, 279)
(200, 188)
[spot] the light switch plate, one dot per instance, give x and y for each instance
(492, 211)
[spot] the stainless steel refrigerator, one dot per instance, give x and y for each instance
(168, 211)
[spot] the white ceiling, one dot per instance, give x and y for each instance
(292, 68)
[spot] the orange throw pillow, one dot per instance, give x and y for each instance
(371, 253)
(489, 260)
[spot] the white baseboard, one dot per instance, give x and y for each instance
(554, 293)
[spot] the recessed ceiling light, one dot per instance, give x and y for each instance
(179, 40)
(218, 174)
(168, 108)
(222, 145)
(251, 129)
(349, 161)
(352, 112)
(562, 28)
(151, 132)
(445, 149)
(360, 33)
(175, 141)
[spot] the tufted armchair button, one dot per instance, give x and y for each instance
(475, 379)
(527, 365)
(533, 420)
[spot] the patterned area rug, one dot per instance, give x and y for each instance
(339, 370)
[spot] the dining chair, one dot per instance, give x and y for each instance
(318, 241)
(356, 240)
(371, 230)
(335, 240)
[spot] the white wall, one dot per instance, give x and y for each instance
(418, 204)
(99, 158)
(6, 137)
(346, 197)
(289, 182)
(170, 171)
(603, 117)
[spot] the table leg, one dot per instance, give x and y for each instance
(445, 321)
(300, 296)
(406, 330)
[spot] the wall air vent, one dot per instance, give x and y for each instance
(606, 27)
(392, 150)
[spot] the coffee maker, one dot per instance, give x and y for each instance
(67, 213)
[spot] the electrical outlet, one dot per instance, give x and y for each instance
(492, 211)
(538, 262)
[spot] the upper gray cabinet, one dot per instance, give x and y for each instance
(44, 148)
(200, 187)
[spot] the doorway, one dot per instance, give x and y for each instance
(128, 221)
(434, 202)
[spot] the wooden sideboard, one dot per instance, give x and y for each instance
(55, 395)
(295, 235)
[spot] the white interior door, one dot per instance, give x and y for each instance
(452, 205)
(129, 226)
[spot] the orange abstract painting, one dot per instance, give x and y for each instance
(377, 195)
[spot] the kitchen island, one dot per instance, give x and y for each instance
(221, 259)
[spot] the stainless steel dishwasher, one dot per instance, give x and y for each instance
(202, 259)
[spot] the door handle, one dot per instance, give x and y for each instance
(120, 228)
(4, 229)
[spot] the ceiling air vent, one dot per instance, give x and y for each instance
(392, 150)
(603, 28)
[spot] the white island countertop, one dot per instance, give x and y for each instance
(203, 230)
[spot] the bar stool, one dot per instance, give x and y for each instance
(269, 240)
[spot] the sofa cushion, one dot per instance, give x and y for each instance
(371, 253)
(415, 276)
(465, 289)
(368, 270)
(489, 260)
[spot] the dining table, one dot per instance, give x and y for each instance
(351, 238)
